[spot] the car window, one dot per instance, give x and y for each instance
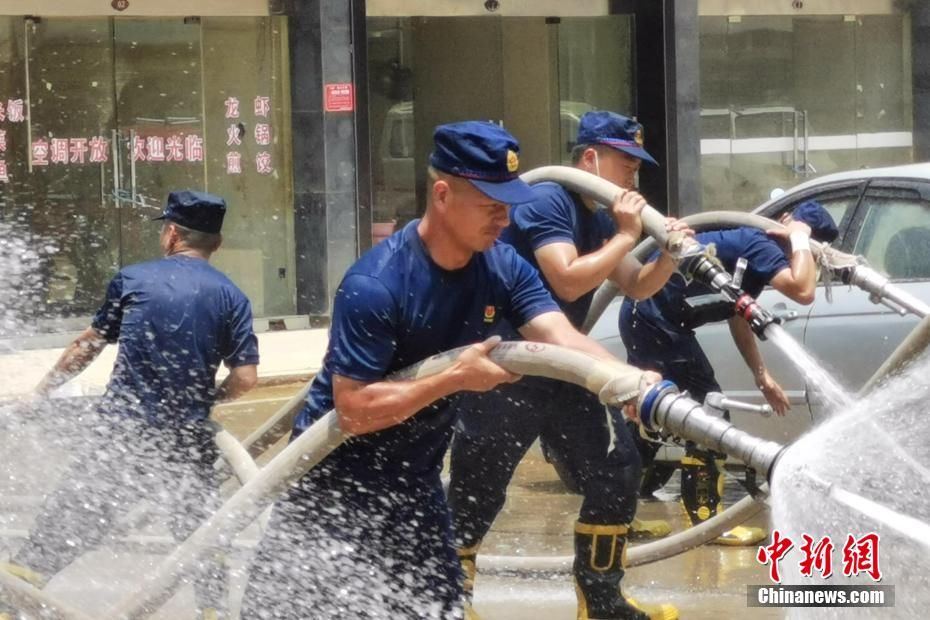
(838, 205)
(838, 208)
(895, 235)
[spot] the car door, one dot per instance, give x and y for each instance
(891, 229)
(732, 373)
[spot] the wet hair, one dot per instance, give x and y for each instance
(196, 239)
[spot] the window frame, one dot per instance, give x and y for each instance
(906, 188)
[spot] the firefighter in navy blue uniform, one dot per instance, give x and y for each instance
(175, 320)
(575, 247)
(659, 334)
(367, 533)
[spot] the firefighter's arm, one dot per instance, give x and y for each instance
(746, 343)
(76, 357)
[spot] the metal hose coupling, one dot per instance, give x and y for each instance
(758, 317)
(882, 291)
(699, 262)
(663, 409)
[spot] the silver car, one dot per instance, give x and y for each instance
(883, 215)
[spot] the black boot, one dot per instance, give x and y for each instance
(701, 494)
(600, 551)
(700, 487)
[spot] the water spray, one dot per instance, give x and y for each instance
(903, 524)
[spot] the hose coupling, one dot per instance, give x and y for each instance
(758, 317)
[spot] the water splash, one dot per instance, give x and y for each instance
(817, 377)
(865, 481)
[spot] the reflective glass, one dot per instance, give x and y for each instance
(101, 118)
(785, 98)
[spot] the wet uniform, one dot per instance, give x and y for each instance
(366, 534)
(496, 428)
(658, 334)
(175, 320)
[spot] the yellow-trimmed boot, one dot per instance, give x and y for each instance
(701, 493)
(469, 559)
(644, 529)
(28, 575)
(701, 487)
(36, 580)
(600, 556)
(741, 536)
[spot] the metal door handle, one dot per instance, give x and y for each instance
(781, 312)
(132, 164)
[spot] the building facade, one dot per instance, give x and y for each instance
(313, 118)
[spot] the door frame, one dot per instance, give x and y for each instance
(138, 8)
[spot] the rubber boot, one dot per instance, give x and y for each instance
(26, 574)
(211, 589)
(701, 487)
(600, 553)
(643, 529)
(701, 493)
(469, 559)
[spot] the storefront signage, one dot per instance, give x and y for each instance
(11, 111)
(236, 132)
(64, 151)
(176, 147)
(339, 97)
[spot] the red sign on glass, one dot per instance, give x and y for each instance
(339, 97)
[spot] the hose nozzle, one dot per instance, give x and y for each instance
(699, 263)
(758, 317)
(662, 408)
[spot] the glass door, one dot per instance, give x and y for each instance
(159, 127)
(101, 117)
(64, 179)
(114, 122)
(534, 73)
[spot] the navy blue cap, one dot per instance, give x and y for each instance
(485, 155)
(812, 213)
(613, 130)
(195, 210)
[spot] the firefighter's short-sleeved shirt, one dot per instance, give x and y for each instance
(396, 307)
(175, 319)
(669, 309)
(558, 216)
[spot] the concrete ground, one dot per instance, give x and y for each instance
(709, 582)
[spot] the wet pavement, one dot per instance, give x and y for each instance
(708, 582)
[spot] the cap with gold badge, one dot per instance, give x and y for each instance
(614, 130)
(484, 154)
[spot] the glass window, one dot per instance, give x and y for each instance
(249, 156)
(776, 108)
(595, 72)
(895, 235)
(111, 114)
(534, 75)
